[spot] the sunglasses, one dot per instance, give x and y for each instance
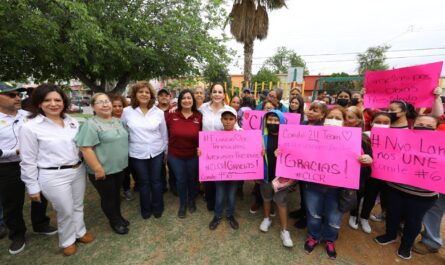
(11, 94)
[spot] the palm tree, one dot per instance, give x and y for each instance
(249, 21)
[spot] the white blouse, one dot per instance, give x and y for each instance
(147, 133)
(43, 144)
(211, 121)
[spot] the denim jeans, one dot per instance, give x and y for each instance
(323, 216)
(225, 190)
(186, 173)
(148, 172)
(432, 221)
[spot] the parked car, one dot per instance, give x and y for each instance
(82, 101)
(74, 109)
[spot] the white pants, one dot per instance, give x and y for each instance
(65, 189)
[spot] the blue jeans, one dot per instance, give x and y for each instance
(225, 190)
(148, 172)
(323, 216)
(432, 221)
(186, 173)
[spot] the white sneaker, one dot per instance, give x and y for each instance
(365, 226)
(287, 241)
(353, 222)
(265, 224)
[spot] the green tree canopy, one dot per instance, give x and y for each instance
(373, 59)
(333, 87)
(265, 75)
(283, 59)
(107, 43)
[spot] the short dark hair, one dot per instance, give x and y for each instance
(181, 95)
(39, 95)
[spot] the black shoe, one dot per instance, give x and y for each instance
(233, 223)
(125, 222)
(297, 214)
(120, 229)
(182, 211)
(3, 231)
(404, 253)
(214, 223)
(146, 216)
(157, 215)
(384, 240)
(301, 223)
(17, 245)
(192, 207)
(47, 230)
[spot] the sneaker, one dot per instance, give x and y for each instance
(330, 249)
(310, 245)
(214, 223)
(353, 222)
(384, 240)
(128, 196)
(365, 226)
(3, 231)
(423, 249)
(47, 230)
(287, 241)
(182, 212)
(297, 214)
(17, 245)
(265, 224)
(404, 253)
(254, 208)
(233, 223)
(377, 217)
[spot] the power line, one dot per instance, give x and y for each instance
(352, 53)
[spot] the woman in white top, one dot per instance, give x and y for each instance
(148, 141)
(51, 164)
(211, 121)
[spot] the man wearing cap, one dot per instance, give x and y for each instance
(275, 96)
(12, 189)
(164, 104)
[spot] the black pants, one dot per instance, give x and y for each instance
(12, 196)
(410, 209)
(372, 188)
(171, 177)
(110, 200)
(210, 194)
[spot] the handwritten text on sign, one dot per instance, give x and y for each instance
(414, 85)
(252, 119)
(410, 157)
(234, 155)
(320, 154)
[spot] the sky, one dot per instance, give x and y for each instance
(414, 29)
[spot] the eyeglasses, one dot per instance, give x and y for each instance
(11, 94)
(102, 102)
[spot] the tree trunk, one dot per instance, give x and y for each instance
(118, 89)
(248, 53)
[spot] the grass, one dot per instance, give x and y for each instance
(170, 240)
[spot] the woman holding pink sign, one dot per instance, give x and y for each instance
(323, 214)
(407, 203)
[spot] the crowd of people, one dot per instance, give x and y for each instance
(156, 143)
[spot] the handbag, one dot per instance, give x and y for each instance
(347, 200)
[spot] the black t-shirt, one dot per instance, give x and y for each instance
(272, 145)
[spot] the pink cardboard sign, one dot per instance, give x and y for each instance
(234, 155)
(322, 154)
(411, 157)
(414, 85)
(252, 119)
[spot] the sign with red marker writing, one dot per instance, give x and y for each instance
(252, 119)
(411, 157)
(414, 85)
(321, 154)
(232, 155)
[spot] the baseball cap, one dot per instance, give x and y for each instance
(8, 87)
(163, 90)
(231, 111)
